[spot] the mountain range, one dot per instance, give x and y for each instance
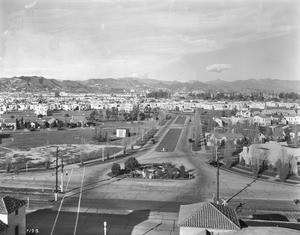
(111, 85)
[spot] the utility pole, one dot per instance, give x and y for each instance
(56, 174)
(62, 176)
(218, 174)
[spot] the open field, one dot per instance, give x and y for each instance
(75, 145)
(31, 139)
(169, 142)
(180, 120)
(26, 139)
(71, 153)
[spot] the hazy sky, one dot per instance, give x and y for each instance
(164, 39)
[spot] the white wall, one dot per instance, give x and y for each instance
(19, 219)
(4, 218)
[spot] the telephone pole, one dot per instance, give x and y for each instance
(56, 174)
(62, 176)
(218, 175)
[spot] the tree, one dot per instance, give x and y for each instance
(278, 133)
(18, 124)
(93, 115)
(60, 125)
(53, 124)
(131, 164)
(228, 154)
(124, 144)
(116, 169)
(259, 160)
(47, 162)
(284, 165)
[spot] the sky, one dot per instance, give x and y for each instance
(170, 40)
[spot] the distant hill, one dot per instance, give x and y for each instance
(112, 85)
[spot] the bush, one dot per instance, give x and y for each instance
(116, 169)
(171, 171)
(160, 173)
(131, 164)
(183, 173)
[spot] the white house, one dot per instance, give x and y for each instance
(275, 150)
(13, 214)
(2, 109)
(262, 120)
(41, 109)
(292, 119)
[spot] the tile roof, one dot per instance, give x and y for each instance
(208, 215)
(10, 204)
(3, 226)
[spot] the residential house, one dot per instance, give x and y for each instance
(9, 123)
(13, 214)
(218, 121)
(262, 120)
(219, 137)
(274, 152)
(244, 113)
(2, 109)
(292, 119)
(261, 138)
(41, 109)
(207, 218)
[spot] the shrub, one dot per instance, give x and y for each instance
(116, 169)
(183, 173)
(170, 172)
(131, 164)
(160, 173)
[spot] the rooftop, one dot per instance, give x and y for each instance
(208, 215)
(10, 204)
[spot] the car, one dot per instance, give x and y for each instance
(213, 163)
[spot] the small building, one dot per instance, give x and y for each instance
(207, 218)
(122, 132)
(13, 214)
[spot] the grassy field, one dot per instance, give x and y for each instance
(29, 139)
(180, 120)
(169, 142)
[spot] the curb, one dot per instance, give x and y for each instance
(277, 182)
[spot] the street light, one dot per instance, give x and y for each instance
(104, 224)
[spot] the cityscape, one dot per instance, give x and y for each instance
(149, 117)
